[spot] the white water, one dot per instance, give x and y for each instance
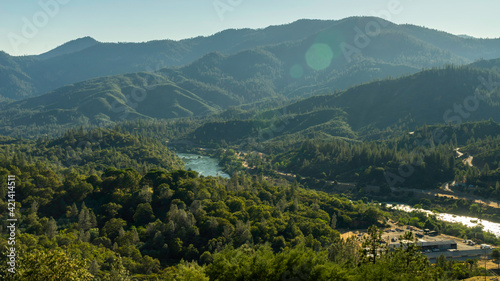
(488, 226)
(204, 165)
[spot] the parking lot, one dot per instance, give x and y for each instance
(392, 234)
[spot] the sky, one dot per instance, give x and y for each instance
(29, 27)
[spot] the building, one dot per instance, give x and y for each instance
(461, 255)
(432, 245)
(438, 245)
(448, 248)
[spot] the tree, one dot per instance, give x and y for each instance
(495, 254)
(51, 228)
(118, 271)
(371, 244)
(408, 258)
(73, 211)
(486, 169)
(111, 209)
(51, 265)
(144, 214)
(79, 191)
(333, 222)
(344, 251)
(206, 258)
(164, 191)
(149, 265)
(187, 271)
(442, 262)
(111, 228)
(475, 209)
(84, 220)
(94, 267)
(176, 247)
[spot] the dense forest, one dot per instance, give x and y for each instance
(431, 151)
(315, 140)
(134, 214)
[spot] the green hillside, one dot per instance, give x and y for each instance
(324, 132)
(110, 99)
(426, 97)
(92, 150)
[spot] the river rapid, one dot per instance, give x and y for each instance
(467, 221)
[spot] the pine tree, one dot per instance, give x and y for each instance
(84, 219)
(118, 271)
(73, 212)
(51, 231)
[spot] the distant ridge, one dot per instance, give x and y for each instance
(70, 47)
(427, 97)
(465, 36)
(302, 45)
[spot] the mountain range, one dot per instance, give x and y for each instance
(301, 47)
(372, 78)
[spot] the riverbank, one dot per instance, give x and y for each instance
(204, 165)
(468, 221)
(208, 166)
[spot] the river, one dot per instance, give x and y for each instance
(467, 221)
(208, 166)
(204, 165)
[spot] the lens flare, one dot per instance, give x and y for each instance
(319, 56)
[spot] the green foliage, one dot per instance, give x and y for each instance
(125, 223)
(215, 82)
(49, 265)
(186, 271)
(121, 206)
(368, 163)
(88, 151)
(371, 249)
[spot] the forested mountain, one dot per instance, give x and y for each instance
(395, 50)
(69, 48)
(84, 58)
(314, 121)
(425, 97)
(423, 160)
(367, 111)
(110, 99)
(493, 64)
(441, 95)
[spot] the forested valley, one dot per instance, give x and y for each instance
(320, 149)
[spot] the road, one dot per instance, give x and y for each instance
(455, 195)
(467, 161)
(444, 191)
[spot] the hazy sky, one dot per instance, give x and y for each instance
(36, 26)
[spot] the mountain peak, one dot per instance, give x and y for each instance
(72, 46)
